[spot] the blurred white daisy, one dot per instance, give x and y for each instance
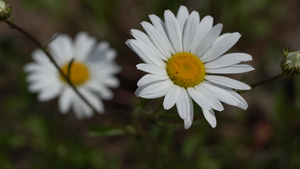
(92, 72)
(181, 55)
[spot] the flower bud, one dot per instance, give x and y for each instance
(290, 63)
(5, 10)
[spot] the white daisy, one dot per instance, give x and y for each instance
(92, 72)
(181, 55)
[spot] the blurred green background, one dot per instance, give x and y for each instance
(35, 135)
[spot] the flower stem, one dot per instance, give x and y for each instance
(44, 49)
(262, 82)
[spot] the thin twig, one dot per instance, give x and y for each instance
(69, 68)
(262, 82)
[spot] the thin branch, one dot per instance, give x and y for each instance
(262, 82)
(69, 68)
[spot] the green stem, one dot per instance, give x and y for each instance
(69, 68)
(39, 45)
(257, 84)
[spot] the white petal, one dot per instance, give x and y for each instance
(37, 68)
(36, 77)
(144, 53)
(104, 45)
(213, 101)
(77, 107)
(141, 36)
(151, 69)
(210, 117)
(171, 97)
(92, 99)
(149, 78)
(39, 56)
(204, 26)
(208, 40)
(31, 67)
(174, 32)
(189, 120)
(101, 53)
(110, 81)
(165, 45)
(103, 91)
(228, 60)
(36, 71)
(128, 43)
(111, 54)
(199, 97)
(228, 82)
(241, 68)
(183, 104)
(223, 94)
(50, 92)
(104, 69)
(65, 100)
(62, 49)
(156, 39)
(43, 85)
(220, 94)
(84, 45)
(81, 109)
(182, 16)
(223, 36)
(241, 101)
(221, 46)
(154, 90)
(190, 32)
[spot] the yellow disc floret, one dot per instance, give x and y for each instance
(185, 69)
(77, 72)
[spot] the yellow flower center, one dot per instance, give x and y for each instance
(185, 69)
(78, 73)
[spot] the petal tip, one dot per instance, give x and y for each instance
(187, 124)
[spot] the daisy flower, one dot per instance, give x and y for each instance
(92, 71)
(184, 58)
